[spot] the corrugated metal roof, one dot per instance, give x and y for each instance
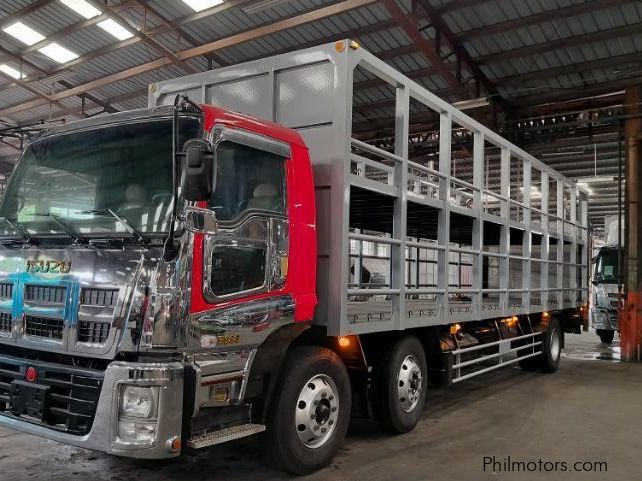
(606, 30)
(232, 20)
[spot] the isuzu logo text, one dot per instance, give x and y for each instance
(51, 267)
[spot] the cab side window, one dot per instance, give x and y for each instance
(247, 179)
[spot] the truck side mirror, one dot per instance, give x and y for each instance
(199, 169)
(200, 220)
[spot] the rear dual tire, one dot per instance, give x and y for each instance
(399, 384)
(549, 359)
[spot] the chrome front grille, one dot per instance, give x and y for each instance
(614, 299)
(72, 396)
(45, 294)
(95, 314)
(47, 314)
(94, 332)
(6, 290)
(44, 327)
(99, 297)
(5, 322)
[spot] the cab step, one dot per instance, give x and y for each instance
(224, 435)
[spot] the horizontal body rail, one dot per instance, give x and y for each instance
(492, 368)
(375, 239)
(427, 170)
(372, 163)
(494, 355)
(531, 348)
(495, 343)
(376, 151)
(373, 292)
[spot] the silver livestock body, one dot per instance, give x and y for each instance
(475, 229)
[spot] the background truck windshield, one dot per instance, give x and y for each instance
(606, 266)
(72, 181)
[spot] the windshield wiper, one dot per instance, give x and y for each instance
(119, 218)
(64, 226)
(25, 233)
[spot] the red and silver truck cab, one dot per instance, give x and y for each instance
(287, 193)
(100, 315)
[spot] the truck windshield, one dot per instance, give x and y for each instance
(72, 184)
(606, 266)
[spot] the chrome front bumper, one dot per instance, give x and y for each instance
(103, 433)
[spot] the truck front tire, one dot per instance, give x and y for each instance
(309, 414)
(605, 336)
(399, 384)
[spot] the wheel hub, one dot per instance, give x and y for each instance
(322, 412)
(317, 411)
(409, 383)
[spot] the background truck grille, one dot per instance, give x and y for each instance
(95, 332)
(99, 297)
(614, 299)
(6, 290)
(44, 327)
(48, 294)
(5, 321)
(72, 398)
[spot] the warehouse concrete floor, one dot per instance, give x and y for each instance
(588, 411)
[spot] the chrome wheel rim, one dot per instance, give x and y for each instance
(409, 384)
(555, 345)
(317, 411)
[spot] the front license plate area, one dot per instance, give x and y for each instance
(29, 399)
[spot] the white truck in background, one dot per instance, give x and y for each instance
(606, 296)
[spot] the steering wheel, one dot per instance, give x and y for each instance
(162, 195)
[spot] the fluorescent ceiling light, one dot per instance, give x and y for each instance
(23, 33)
(262, 5)
(116, 29)
(82, 8)
(595, 178)
(199, 5)
(557, 154)
(535, 192)
(11, 72)
(472, 103)
(58, 53)
(586, 187)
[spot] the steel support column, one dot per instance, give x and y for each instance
(631, 315)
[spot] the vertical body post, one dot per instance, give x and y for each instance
(398, 257)
(586, 256)
(358, 262)
(526, 238)
(631, 317)
(443, 229)
(339, 242)
(478, 223)
(504, 238)
(573, 254)
(543, 285)
(560, 244)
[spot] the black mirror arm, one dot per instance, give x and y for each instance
(169, 250)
